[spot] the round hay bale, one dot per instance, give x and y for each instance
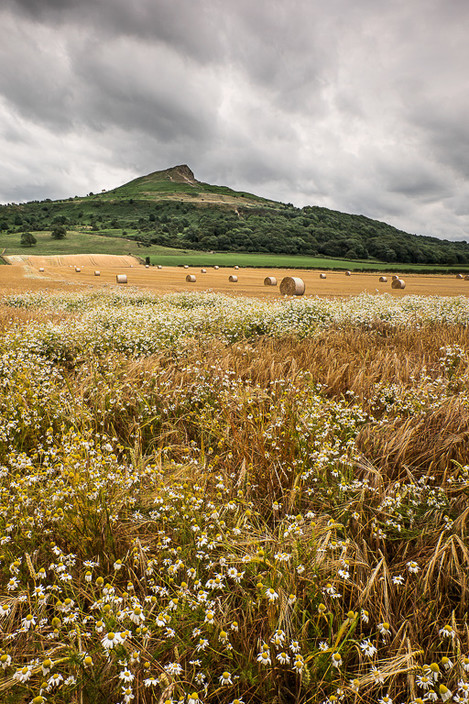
(186, 266)
(292, 286)
(383, 279)
(322, 275)
(203, 271)
(147, 266)
(395, 277)
(121, 278)
(270, 281)
(41, 268)
(77, 269)
(159, 266)
(459, 276)
(97, 273)
(233, 278)
(190, 278)
(216, 266)
(466, 278)
(398, 283)
(236, 267)
(348, 273)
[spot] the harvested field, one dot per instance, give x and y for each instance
(59, 273)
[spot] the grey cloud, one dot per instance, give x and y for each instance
(357, 106)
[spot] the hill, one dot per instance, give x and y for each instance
(171, 208)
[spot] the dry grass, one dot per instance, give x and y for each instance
(58, 274)
(330, 473)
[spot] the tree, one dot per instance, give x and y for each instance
(27, 239)
(58, 233)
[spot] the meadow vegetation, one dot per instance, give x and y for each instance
(220, 500)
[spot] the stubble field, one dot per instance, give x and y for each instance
(59, 272)
(232, 499)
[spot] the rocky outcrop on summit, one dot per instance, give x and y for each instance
(182, 173)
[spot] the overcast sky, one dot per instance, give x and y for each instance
(357, 105)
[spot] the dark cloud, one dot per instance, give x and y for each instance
(357, 106)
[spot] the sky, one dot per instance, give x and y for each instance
(357, 105)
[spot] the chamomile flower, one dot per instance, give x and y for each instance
(283, 658)
(111, 640)
(447, 632)
(298, 664)
(384, 629)
(367, 647)
(295, 646)
(271, 594)
(445, 693)
(336, 660)
(225, 678)
(128, 694)
(54, 681)
(264, 657)
(23, 674)
(150, 682)
(5, 661)
(447, 663)
(173, 668)
(28, 622)
(413, 567)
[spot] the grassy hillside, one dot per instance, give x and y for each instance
(77, 242)
(171, 208)
(179, 183)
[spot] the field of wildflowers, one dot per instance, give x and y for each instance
(207, 499)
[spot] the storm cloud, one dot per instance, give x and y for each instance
(360, 107)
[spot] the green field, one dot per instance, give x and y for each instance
(284, 261)
(77, 243)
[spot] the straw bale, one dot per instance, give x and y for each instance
(322, 275)
(77, 269)
(233, 278)
(348, 273)
(236, 267)
(459, 276)
(270, 281)
(292, 286)
(216, 266)
(97, 273)
(186, 266)
(190, 278)
(383, 279)
(159, 266)
(121, 278)
(41, 268)
(466, 278)
(395, 277)
(203, 271)
(398, 283)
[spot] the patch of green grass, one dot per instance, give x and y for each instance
(283, 261)
(79, 243)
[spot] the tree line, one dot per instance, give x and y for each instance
(284, 229)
